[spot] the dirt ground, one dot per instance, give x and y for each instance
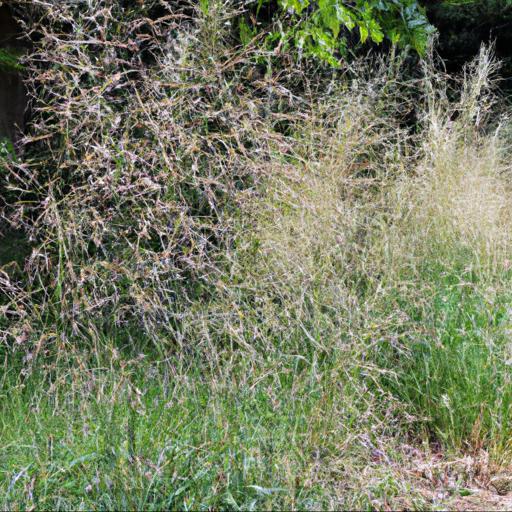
(443, 482)
(481, 500)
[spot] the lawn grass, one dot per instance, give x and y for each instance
(146, 437)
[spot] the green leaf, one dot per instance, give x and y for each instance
(345, 16)
(363, 31)
(328, 16)
(246, 32)
(376, 33)
(205, 6)
(394, 36)
(296, 5)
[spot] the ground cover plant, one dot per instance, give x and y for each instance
(250, 280)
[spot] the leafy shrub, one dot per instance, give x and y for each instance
(320, 28)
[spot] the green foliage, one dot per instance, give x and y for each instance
(458, 3)
(456, 375)
(145, 438)
(9, 60)
(322, 28)
(6, 149)
(7, 155)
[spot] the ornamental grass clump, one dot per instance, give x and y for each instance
(145, 134)
(320, 259)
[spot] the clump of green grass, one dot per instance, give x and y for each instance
(454, 364)
(259, 435)
(448, 275)
(10, 60)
